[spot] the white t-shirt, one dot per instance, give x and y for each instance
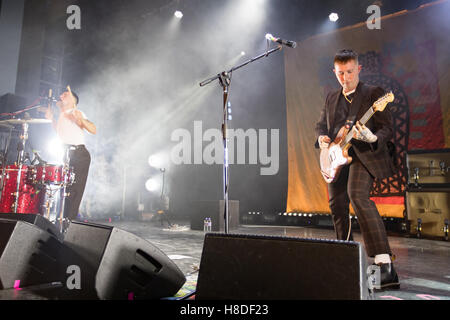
(68, 131)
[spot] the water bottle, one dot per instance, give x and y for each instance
(209, 225)
(205, 225)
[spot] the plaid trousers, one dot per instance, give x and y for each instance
(353, 185)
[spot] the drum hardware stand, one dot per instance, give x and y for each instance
(49, 202)
(64, 193)
(20, 161)
(225, 81)
(162, 201)
(5, 159)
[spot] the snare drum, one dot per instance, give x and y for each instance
(30, 196)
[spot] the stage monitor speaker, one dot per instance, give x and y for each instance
(115, 264)
(36, 219)
(214, 210)
(29, 255)
(252, 267)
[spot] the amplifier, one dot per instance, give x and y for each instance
(429, 212)
(429, 168)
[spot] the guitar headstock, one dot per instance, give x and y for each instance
(382, 102)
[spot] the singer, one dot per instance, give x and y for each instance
(70, 127)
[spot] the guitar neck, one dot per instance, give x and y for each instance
(366, 117)
(345, 144)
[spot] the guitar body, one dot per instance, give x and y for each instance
(334, 157)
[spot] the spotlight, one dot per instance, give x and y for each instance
(155, 161)
(56, 149)
(333, 17)
(242, 53)
(178, 14)
(151, 185)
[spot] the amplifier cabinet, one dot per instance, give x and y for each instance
(428, 211)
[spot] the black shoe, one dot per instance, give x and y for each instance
(389, 277)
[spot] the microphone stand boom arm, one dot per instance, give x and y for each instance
(218, 76)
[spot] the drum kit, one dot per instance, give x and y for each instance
(27, 187)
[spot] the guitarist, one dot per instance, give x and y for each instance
(370, 159)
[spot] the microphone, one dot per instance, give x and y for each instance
(49, 99)
(290, 44)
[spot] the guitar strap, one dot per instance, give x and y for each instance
(360, 95)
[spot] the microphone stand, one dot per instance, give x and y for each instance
(225, 81)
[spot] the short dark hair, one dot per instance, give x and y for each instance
(345, 55)
(75, 96)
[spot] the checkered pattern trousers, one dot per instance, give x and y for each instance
(353, 186)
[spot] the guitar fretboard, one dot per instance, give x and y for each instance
(365, 118)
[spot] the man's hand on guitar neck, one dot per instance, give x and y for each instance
(362, 133)
(324, 142)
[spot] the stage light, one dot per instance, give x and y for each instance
(56, 148)
(155, 161)
(178, 14)
(333, 17)
(242, 53)
(152, 185)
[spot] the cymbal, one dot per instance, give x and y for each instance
(21, 121)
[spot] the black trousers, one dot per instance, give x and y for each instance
(353, 186)
(79, 160)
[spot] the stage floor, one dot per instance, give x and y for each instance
(423, 265)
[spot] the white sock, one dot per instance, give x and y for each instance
(382, 258)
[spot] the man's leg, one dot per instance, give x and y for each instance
(339, 205)
(80, 160)
(370, 222)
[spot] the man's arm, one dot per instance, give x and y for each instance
(321, 125)
(84, 123)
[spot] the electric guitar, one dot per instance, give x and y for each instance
(336, 155)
